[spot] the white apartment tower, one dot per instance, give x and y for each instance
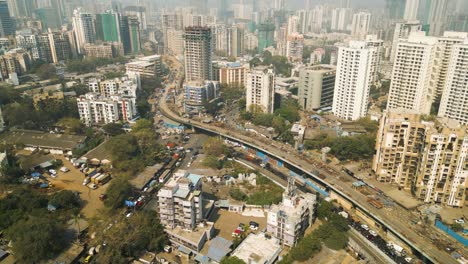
(83, 26)
(354, 77)
(402, 31)
(295, 47)
(341, 18)
(260, 89)
(411, 9)
(360, 25)
(198, 49)
(413, 84)
(454, 102)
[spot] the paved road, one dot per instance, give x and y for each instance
(398, 226)
(371, 249)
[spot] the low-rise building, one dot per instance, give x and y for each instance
(14, 61)
(104, 50)
(258, 249)
(149, 66)
(288, 220)
(181, 201)
(95, 109)
(232, 72)
(197, 94)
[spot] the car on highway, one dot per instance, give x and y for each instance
(365, 227)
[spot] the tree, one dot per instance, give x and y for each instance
(36, 239)
(232, 260)
(72, 125)
(8, 95)
(456, 227)
(65, 199)
(113, 129)
(47, 71)
(118, 190)
(215, 147)
(142, 124)
(324, 210)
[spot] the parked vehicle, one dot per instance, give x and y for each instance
(86, 181)
(64, 169)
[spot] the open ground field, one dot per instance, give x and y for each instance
(73, 180)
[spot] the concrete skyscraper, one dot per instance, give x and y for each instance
(108, 27)
(402, 31)
(198, 49)
(413, 84)
(84, 28)
(411, 10)
(316, 86)
(7, 24)
(354, 76)
(454, 102)
(360, 25)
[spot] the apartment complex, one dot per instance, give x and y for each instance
(260, 86)
(402, 31)
(316, 87)
(412, 84)
(149, 66)
(108, 101)
(232, 72)
(288, 220)
(83, 26)
(428, 158)
(180, 201)
(104, 51)
(198, 49)
(454, 104)
(354, 76)
(197, 94)
(14, 61)
(360, 25)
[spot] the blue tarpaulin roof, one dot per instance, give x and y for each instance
(35, 174)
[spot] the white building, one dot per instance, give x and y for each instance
(258, 249)
(413, 77)
(288, 220)
(149, 66)
(83, 26)
(454, 102)
(402, 31)
(260, 86)
(360, 25)
(411, 9)
(354, 76)
(180, 201)
(341, 18)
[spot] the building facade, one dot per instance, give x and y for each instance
(288, 220)
(83, 25)
(7, 24)
(316, 87)
(198, 54)
(295, 47)
(260, 87)
(426, 158)
(354, 76)
(233, 73)
(197, 94)
(360, 25)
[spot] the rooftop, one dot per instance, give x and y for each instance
(256, 248)
(219, 248)
(43, 139)
(191, 235)
(145, 176)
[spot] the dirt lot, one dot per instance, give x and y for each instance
(328, 256)
(73, 180)
(226, 222)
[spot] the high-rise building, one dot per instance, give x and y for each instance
(198, 49)
(140, 13)
(108, 27)
(413, 78)
(84, 28)
(175, 41)
(454, 102)
(341, 18)
(316, 87)
(293, 25)
(411, 10)
(395, 9)
(288, 220)
(354, 76)
(49, 18)
(235, 41)
(21, 8)
(402, 31)
(437, 18)
(260, 86)
(59, 44)
(7, 24)
(360, 25)
(134, 35)
(266, 36)
(426, 158)
(295, 47)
